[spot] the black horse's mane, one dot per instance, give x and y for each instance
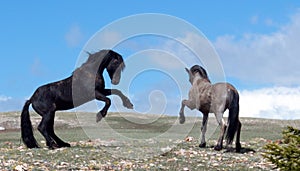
(101, 56)
(200, 70)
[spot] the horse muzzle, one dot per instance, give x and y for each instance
(115, 81)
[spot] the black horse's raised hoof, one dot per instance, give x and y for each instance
(218, 148)
(100, 115)
(127, 103)
(181, 119)
(202, 145)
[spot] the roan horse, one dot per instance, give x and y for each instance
(85, 84)
(213, 98)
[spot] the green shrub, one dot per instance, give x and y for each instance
(285, 153)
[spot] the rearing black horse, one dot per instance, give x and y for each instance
(85, 84)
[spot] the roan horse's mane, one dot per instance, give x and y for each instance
(201, 71)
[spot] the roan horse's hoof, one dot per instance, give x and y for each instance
(218, 148)
(202, 145)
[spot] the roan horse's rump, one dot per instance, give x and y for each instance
(85, 84)
(213, 98)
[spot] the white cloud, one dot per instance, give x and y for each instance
(4, 98)
(37, 68)
(273, 103)
(8, 103)
(254, 19)
(165, 59)
(263, 58)
(74, 36)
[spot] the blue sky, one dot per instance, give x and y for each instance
(256, 41)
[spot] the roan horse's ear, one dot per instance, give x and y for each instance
(187, 70)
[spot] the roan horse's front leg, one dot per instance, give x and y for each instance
(190, 104)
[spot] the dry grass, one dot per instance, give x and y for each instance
(118, 143)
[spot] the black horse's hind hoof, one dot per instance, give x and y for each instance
(53, 146)
(218, 148)
(238, 148)
(64, 145)
(202, 145)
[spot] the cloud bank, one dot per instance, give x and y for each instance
(264, 58)
(273, 103)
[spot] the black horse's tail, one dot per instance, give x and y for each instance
(233, 118)
(26, 128)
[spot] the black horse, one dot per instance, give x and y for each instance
(85, 84)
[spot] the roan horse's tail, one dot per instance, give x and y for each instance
(233, 118)
(26, 128)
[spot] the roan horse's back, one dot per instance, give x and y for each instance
(224, 94)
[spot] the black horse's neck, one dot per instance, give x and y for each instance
(96, 63)
(104, 63)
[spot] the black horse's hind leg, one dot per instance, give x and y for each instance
(103, 111)
(59, 142)
(45, 127)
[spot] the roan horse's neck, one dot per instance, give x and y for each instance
(198, 80)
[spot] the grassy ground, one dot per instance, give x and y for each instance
(135, 142)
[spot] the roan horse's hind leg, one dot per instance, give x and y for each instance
(203, 130)
(219, 117)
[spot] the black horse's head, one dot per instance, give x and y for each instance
(115, 67)
(197, 69)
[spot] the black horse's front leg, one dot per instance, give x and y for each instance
(102, 113)
(125, 100)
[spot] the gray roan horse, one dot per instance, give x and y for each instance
(85, 84)
(213, 98)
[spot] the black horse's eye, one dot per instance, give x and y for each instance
(115, 62)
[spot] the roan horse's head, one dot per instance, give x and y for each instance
(194, 70)
(115, 66)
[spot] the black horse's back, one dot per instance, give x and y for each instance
(26, 128)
